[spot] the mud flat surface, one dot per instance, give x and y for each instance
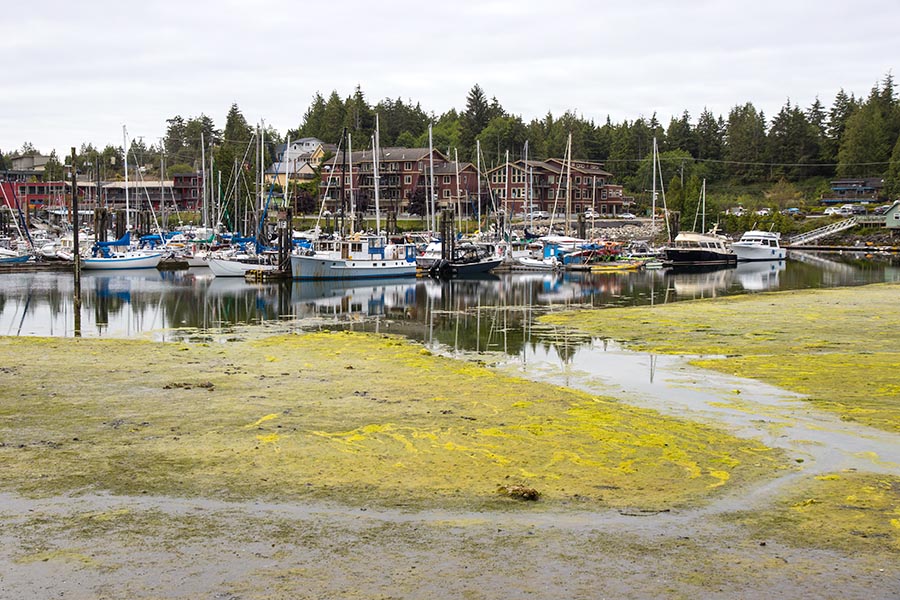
(362, 466)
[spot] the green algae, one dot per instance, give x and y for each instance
(350, 417)
(837, 347)
(852, 512)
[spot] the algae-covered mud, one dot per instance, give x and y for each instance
(837, 350)
(363, 466)
(347, 417)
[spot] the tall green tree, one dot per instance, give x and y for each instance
(745, 143)
(680, 135)
(474, 118)
(709, 135)
(892, 178)
(792, 142)
(840, 112)
(865, 148)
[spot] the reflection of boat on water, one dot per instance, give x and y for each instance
(369, 297)
(702, 283)
(759, 275)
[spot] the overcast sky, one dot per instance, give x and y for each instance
(77, 71)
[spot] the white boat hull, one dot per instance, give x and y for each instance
(327, 267)
(125, 260)
(746, 252)
(223, 267)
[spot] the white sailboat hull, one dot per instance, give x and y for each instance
(124, 260)
(223, 267)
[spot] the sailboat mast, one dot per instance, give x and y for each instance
(458, 202)
(568, 182)
(431, 178)
(703, 203)
(204, 211)
(127, 207)
(352, 210)
(653, 189)
(375, 145)
(506, 189)
(478, 177)
(527, 201)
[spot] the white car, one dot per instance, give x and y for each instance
(627, 216)
(591, 214)
(832, 210)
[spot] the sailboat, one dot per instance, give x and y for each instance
(117, 254)
(360, 255)
(107, 256)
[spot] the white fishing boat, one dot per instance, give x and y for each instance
(759, 245)
(359, 256)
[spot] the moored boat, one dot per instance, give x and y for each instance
(699, 249)
(360, 256)
(759, 245)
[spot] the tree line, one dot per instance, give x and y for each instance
(852, 137)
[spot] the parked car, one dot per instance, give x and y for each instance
(880, 210)
(738, 211)
(792, 212)
(627, 215)
(538, 214)
(832, 210)
(763, 212)
(591, 214)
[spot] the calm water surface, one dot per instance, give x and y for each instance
(491, 314)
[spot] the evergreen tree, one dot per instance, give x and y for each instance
(892, 179)
(680, 136)
(841, 110)
(476, 117)
(864, 149)
(817, 118)
(359, 118)
(333, 118)
(745, 147)
(3, 165)
(313, 119)
(709, 136)
(792, 142)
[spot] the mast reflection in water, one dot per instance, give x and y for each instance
(491, 314)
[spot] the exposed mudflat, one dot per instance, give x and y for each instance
(362, 466)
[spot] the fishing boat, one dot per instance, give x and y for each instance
(699, 249)
(466, 259)
(759, 245)
(359, 256)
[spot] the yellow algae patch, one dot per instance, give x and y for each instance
(850, 512)
(844, 362)
(262, 420)
(340, 432)
(271, 438)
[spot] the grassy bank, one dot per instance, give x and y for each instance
(349, 417)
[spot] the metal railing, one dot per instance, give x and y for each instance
(816, 234)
